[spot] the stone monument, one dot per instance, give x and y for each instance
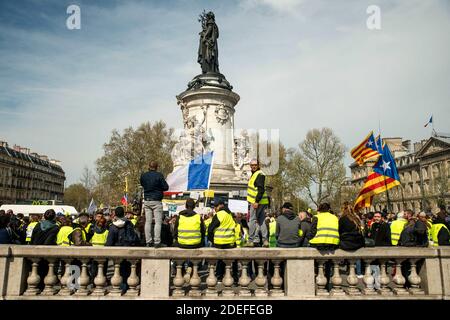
(208, 108)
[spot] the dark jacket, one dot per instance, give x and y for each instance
(380, 233)
(154, 185)
(408, 236)
(5, 236)
(117, 232)
(305, 225)
(188, 213)
(45, 233)
(421, 232)
(350, 235)
(215, 223)
(288, 225)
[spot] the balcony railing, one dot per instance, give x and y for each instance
(37, 272)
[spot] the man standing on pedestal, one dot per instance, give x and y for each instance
(257, 197)
(154, 185)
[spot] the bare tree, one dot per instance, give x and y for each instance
(318, 165)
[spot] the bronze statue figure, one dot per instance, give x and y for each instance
(208, 51)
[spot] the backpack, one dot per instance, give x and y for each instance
(129, 237)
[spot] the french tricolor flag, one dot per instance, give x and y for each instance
(195, 175)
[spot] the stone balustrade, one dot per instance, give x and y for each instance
(50, 272)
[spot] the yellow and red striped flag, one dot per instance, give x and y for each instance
(366, 150)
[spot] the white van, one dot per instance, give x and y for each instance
(27, 209)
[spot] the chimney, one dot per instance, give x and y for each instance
(16, 148)
(34, 154)
(4, 144)
(407, 145)
(25, 150)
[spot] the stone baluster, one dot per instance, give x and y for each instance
(228, 280)
(211, 280)
(336, 280)
(352, 280)
(50, 279)
(384, 280)
(33, 279)
(321, 280)
(178, 281)
(261, 280)
(65, 290)
(84, 279)
(100, 279)
(399, 279)
(368, 279)
(244, 280)
(133, 280)
(276, 280)
(415, 280)
(195, 281)
(187, 276)
(116, 280)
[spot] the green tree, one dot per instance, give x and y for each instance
(76, 195)
(127, 155)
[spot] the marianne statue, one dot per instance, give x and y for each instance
(208, 52)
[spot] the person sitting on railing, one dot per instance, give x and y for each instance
(398, 225)
(440, 233)
(189, 229)
(324, 233)
(65, 230)
(5, 233)
(46, 230)
(350, 231)
(305, 225)
(413, 231)
(79, 236)
(287, 228)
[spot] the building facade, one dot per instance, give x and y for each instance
(424, 170)
(27, 176)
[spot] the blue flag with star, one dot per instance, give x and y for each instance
(386, 164)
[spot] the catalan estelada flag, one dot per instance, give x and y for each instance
(383, 177)
(366, 150)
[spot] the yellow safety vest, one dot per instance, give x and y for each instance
(207, 222)
(327, 229)
(88, 227)
(397, 227)
(134, 221)
(99, 239)
(189, 230)
(435, 232)
(272, 231)
(62, 239)
(225, 234)
(83, 234)
(429, 227)
(30, 229)
(237, 234)
(252, 191)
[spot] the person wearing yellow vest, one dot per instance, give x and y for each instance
(221, 230)
(288, 230)
(440, 233)
(239, 230)
(62, 239)
(100, 233)
(397, 227)
(324, 233)
(189, 229)
(207, 222)
(272, 232)
(79, 237)
(258, 200)
(34, 220)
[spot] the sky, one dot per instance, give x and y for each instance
(296, 64)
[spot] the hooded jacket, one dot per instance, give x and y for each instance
(117, 231)
(288, 225)
(45, 233)
(188, 213)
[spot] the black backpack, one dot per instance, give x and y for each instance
(129, 237)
